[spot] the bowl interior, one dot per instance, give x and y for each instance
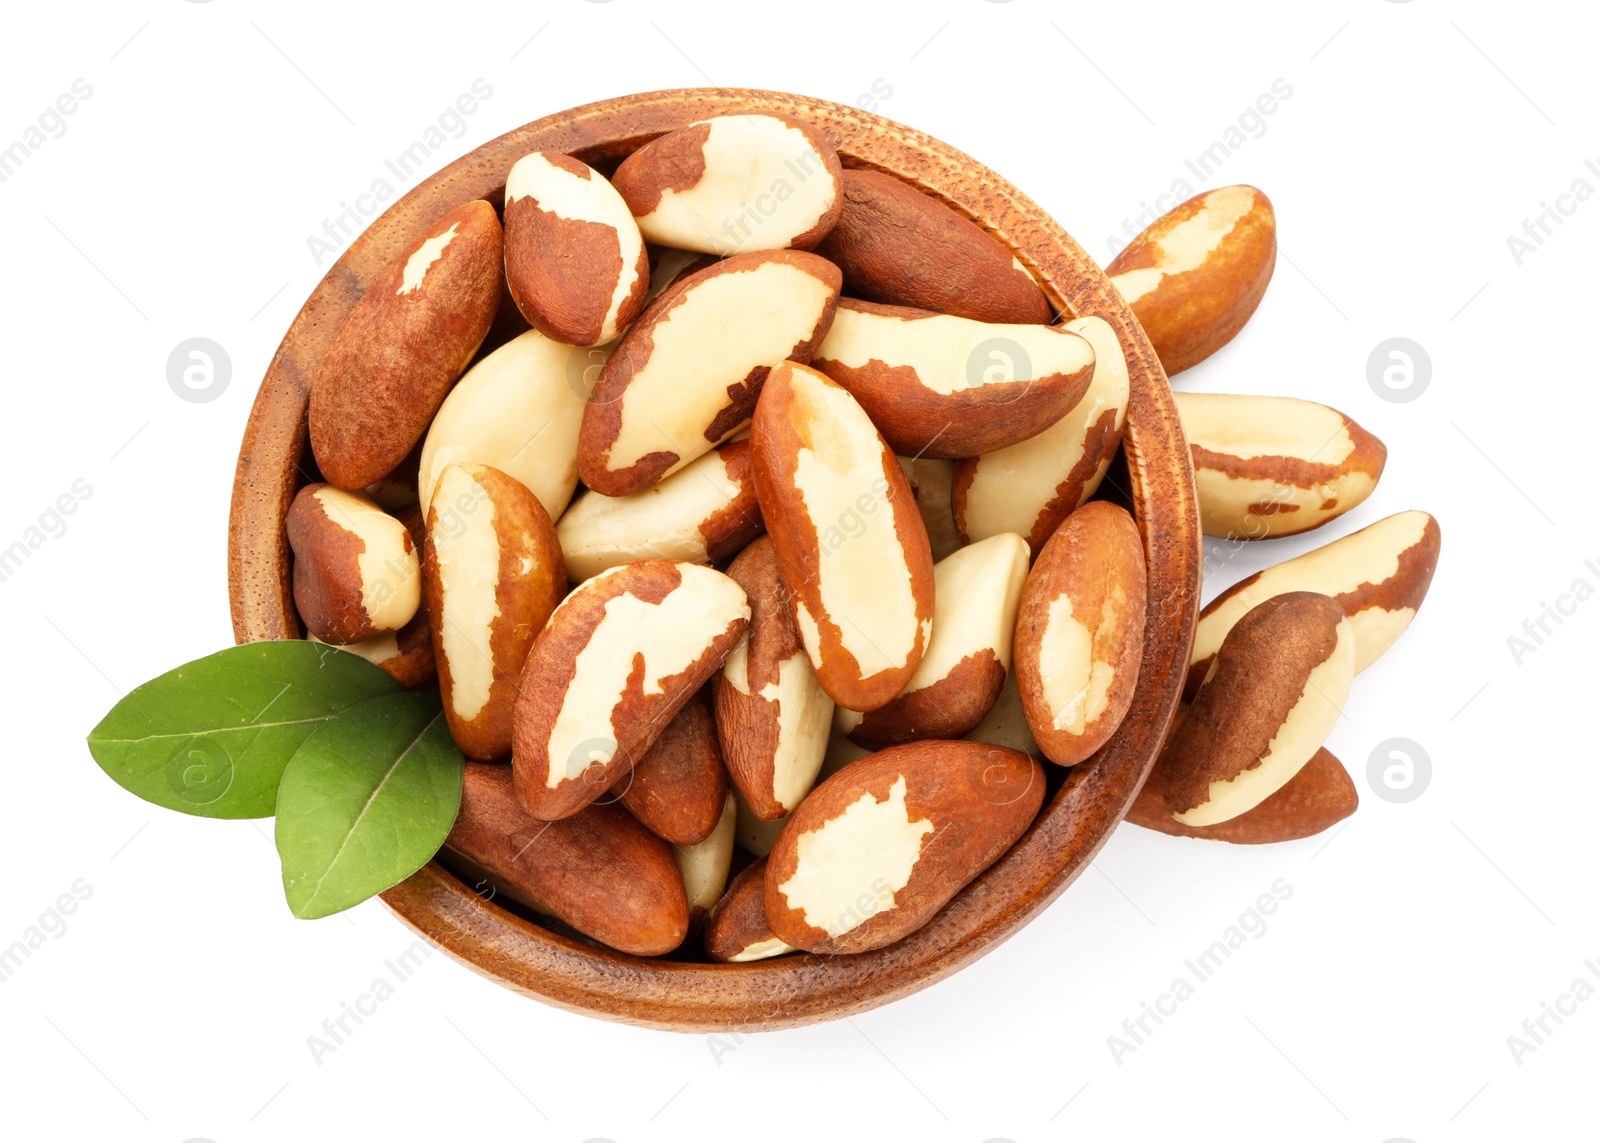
(1076, 820)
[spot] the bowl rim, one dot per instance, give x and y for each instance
(1075, 823)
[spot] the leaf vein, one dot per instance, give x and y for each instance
(371, 798)
(217, 730)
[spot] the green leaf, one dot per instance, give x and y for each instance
(212, 737)
(366, 801)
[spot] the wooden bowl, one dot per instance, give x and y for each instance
(1076, 821)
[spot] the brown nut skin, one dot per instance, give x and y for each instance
(1275, 466)
(356, 573)
(1319, 796)
(771, 770)
(1195, 275)
(952, 808)
(1380, 575)
(1272, 696)
(932, 482)
(1095, 560)
(678, 788)
(901, 247)
(730, 530)
(900, 385)
(678, 162)
(600, 871)
(571, 247)
(660, 629)
(402, 347)
(528, 580)
(948, 709)
(885, 570)
(653, 379)
(736, 928)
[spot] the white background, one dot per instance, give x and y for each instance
(178, 1002)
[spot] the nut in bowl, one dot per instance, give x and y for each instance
(777, 486)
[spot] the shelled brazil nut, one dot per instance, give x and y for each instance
(409, 337)
(884, 843)
(686, 375)
(863, 602)
(949, 387)
(703, 513)
(575, 261)
(491, 575)
(1272, 695)
(356, 571)
(617, 660)
(1196, 274)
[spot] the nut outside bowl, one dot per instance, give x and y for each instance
(1075, 822)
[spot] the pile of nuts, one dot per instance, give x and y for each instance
(860, 407)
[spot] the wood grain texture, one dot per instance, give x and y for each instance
(1076, 821)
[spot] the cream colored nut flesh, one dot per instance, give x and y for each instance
(762, 950)
(871, 842)
(765, 184)
(1030, 487)
(1275, 466)
(704, 865)
(466, 547)
(406, 655)
(976, 591)
(754, 836)
(668, 266)
(518, 410)
(696, 357)
(1380, 576)
(1187, 246)
(736, 930)
(1298, 737)
(691, 516)
(943, 351)
(1006, 724)
(668, 635)
(864, 584)
(378, 650)
(841, 752)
